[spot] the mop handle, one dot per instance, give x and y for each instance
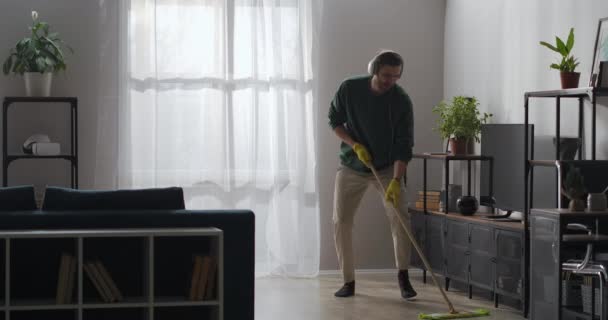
(415, 244)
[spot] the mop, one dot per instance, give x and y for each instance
(452, 314)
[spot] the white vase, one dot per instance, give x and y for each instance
(38, 84)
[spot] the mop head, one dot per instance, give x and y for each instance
(459, 315)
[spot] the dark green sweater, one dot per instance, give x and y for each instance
(383, 124)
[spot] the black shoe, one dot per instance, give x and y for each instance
(407, 291)
(347, 290)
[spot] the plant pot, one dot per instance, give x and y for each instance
(569, 79)
(458, 146)
(38, 84)
(576, 205)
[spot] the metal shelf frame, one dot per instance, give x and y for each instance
(72, 157)
(446, 158)
(582, 94)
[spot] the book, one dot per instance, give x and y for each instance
(602, 78)
(211, 280)
(105, 275)
(421, 202)
(69, 292)
(104, 285)
(94, 278)
(196, 274)
(200, 292)
(429, 198)
(62, 278)
(429, 205)
(429, 193)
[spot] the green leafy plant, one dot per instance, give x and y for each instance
(460, 119)
(41, 52)
(574, 185)
(568, 62)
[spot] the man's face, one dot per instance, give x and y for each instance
(386, 77)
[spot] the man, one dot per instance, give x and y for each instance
(373, 117)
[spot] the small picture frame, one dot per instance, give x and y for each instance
(600, 53)
(602, 76)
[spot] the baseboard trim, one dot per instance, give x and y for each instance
(368, 271)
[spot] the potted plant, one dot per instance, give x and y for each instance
(36, 58)
(574, 189)
(460, 121)
(569, 78)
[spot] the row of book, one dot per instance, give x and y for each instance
(102, 281)
(432, 200)
(204, 271)
(202, 286)
(96, 273)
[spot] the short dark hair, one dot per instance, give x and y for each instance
(386, 57)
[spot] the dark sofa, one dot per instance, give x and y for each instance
(238, 228)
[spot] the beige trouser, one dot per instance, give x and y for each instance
(349, 189)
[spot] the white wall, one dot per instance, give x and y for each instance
(492, 52)
(77, 24)
(352, 32)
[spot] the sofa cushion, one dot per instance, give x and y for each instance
(17, 198)
(57, 198)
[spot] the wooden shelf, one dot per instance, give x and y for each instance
(449, 156)
(480, 218)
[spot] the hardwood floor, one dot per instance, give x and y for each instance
(377, 297)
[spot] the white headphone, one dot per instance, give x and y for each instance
(35, 138)
(372, 66)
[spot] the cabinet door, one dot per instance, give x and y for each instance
(509, 262)
(418, 223)
(544, 267)
(434, 242)
(481, 247)
(456, 250)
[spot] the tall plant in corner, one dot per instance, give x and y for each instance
(36, 58)
(569, 78)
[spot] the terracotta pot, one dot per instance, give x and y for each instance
(569, 79)
(458, 146)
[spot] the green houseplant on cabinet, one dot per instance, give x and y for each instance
(460, 121)
(36, 58)
(569, 78)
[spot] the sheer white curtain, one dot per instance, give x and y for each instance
(216, 96)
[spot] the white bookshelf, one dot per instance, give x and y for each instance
(152, 268)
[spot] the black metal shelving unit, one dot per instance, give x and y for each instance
(475, 250)
(446, 158)
(586, 93)
(72, 157)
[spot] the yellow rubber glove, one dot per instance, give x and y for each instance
(392, 192)
(362, 154)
